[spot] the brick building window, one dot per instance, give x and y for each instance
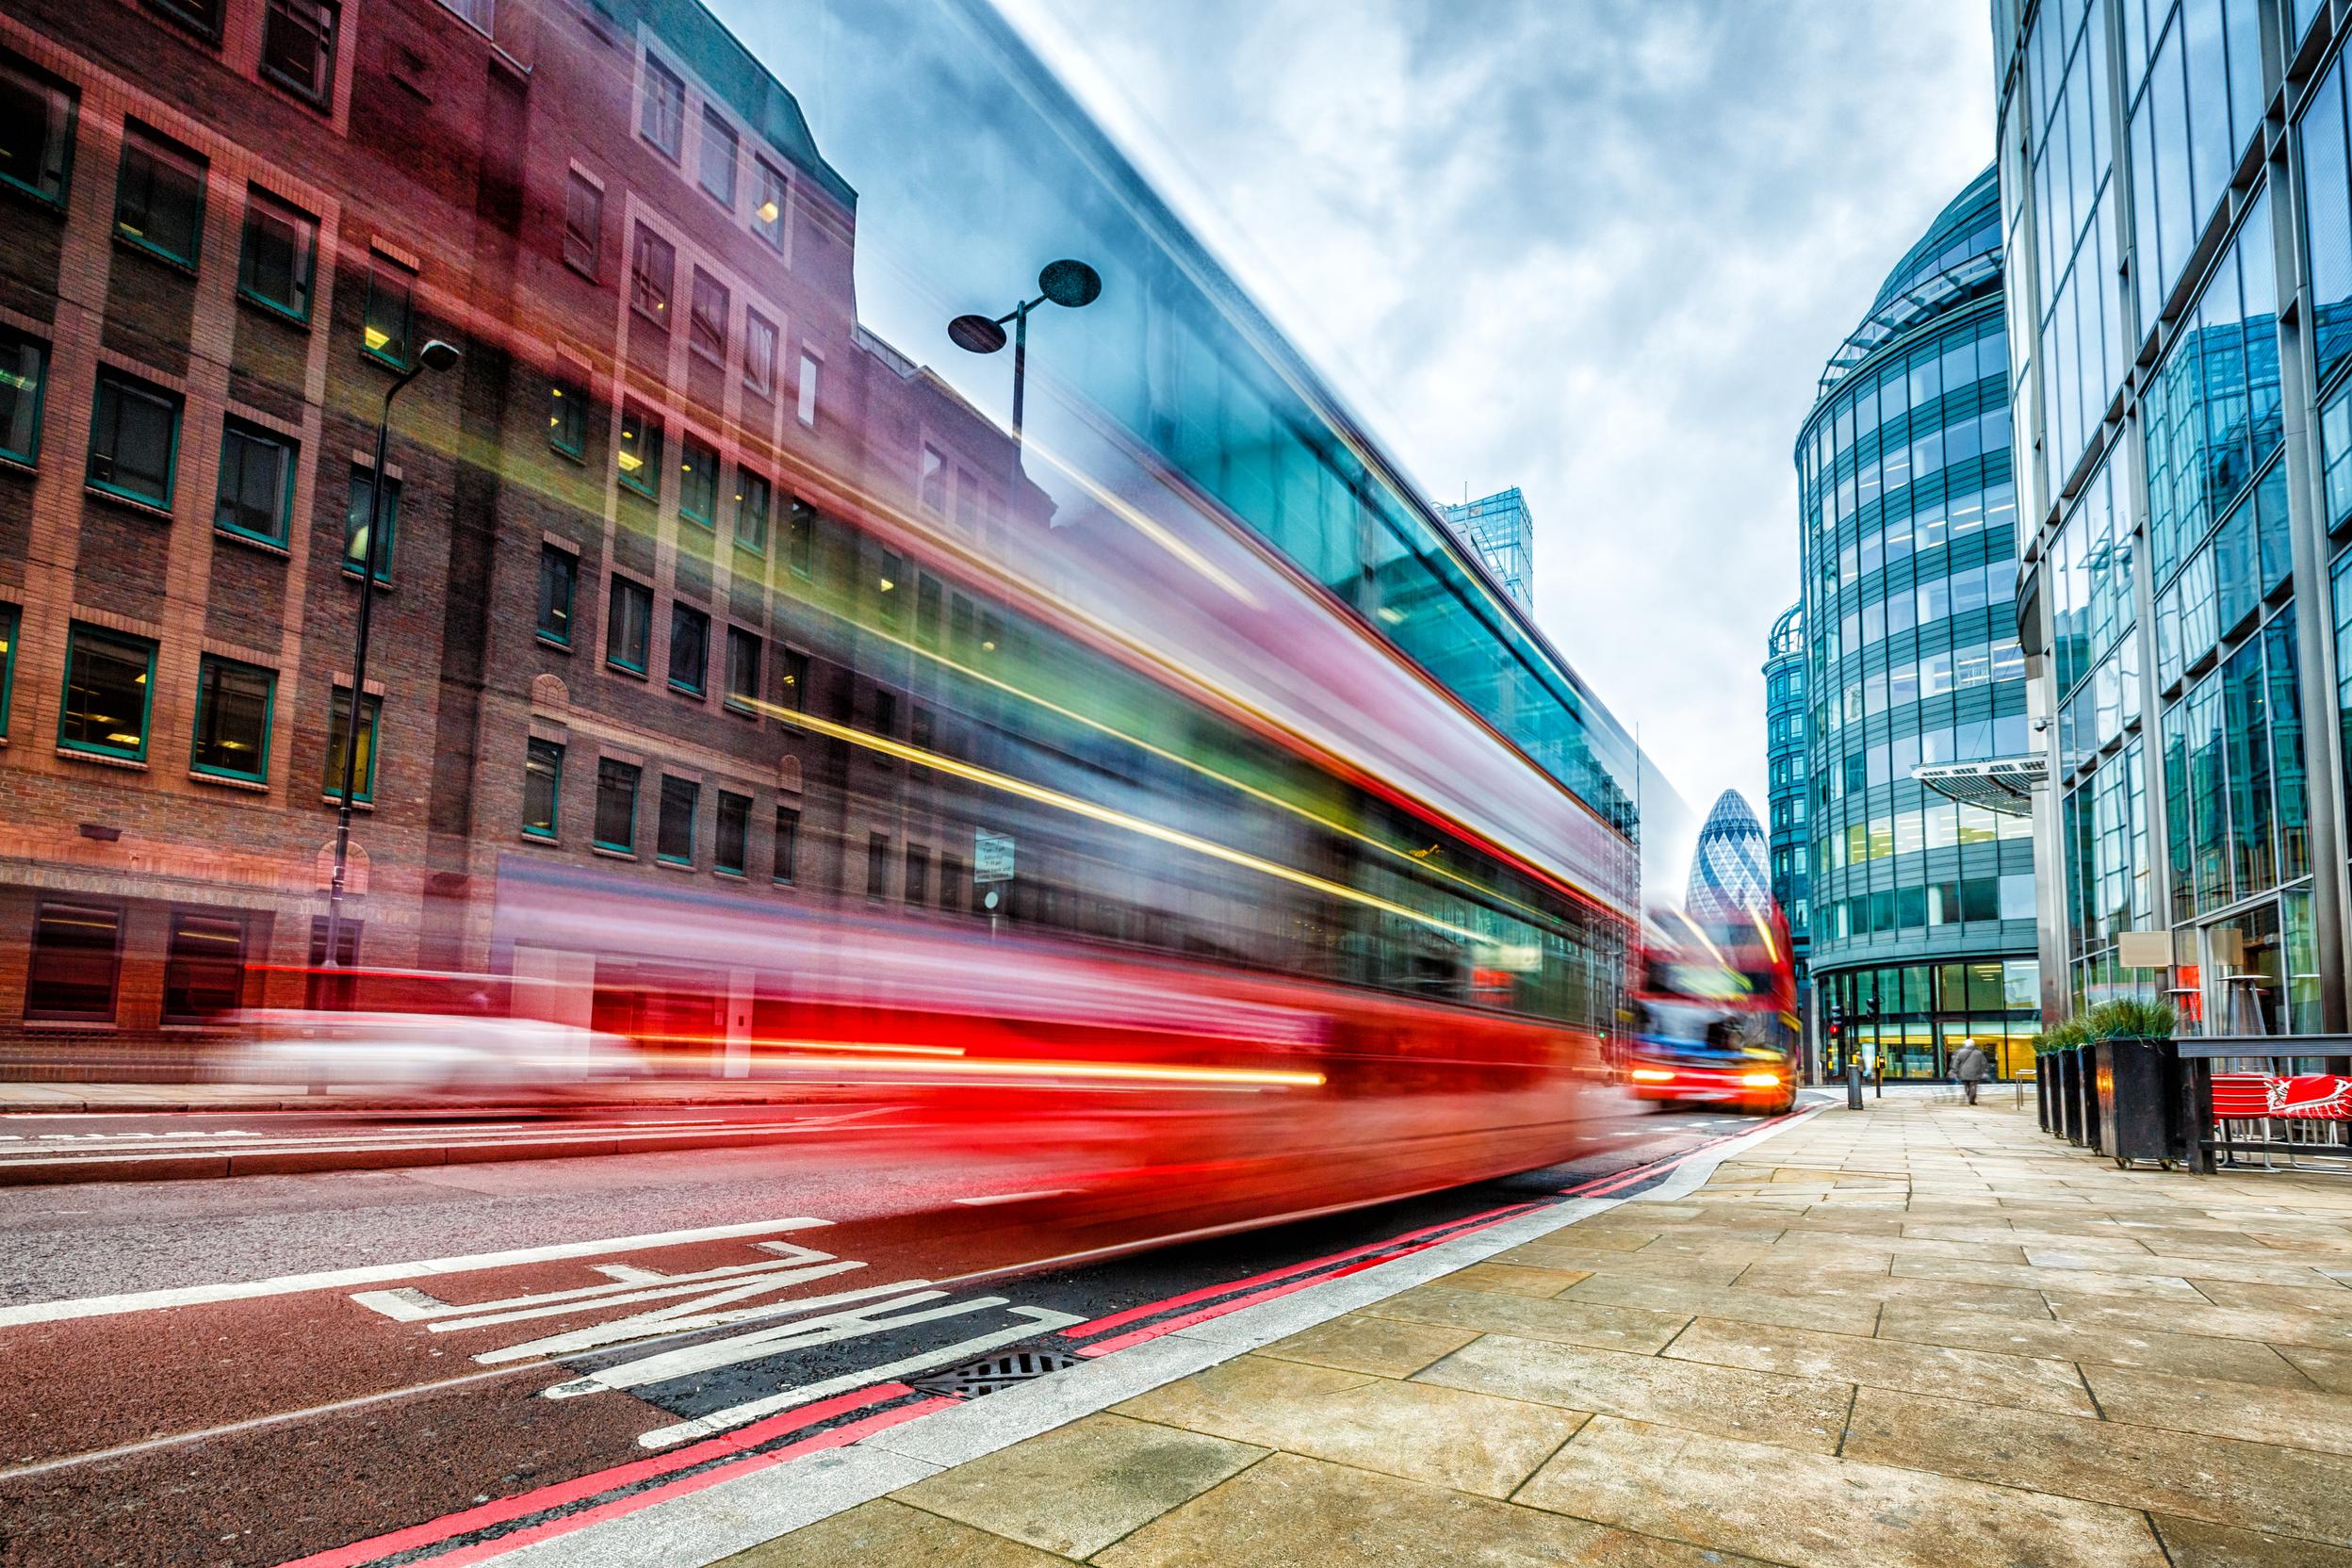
(479, 14)
(159, 195)
(390, 316)
(256, 494)
(76, 962)
(24, 378)
(690, 649)
(232, 702)
(202, 17)
(698, 484)
(662, 115)
(298, 47)
(559, 584)
(730, 849)
(203, 966)
(134, 439)
(629, 624)
(617, 806)
(567, 420)
(917, 889)
(9, 615)
(792, 675)
(767, 204)
(718, 157)
(705, 325)
(280, 253)
(752, 499)
(638, 456)
(359, 521)
(36, 129)
(583, 225)
(809, 365)
(934, 487)
(542, 788)
(339, 737)
(742, 669)
(878, 866)
(110, 687)
(759, 353)
(652, 274)
(787, 843)
(800, 535)
(674, 837)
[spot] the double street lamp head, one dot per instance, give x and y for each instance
(1069, 283)
(437, 356)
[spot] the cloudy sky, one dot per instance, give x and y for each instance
(1598, 249)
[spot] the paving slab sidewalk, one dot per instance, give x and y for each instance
(1923, 1334)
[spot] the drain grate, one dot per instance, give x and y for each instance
(991, 1373)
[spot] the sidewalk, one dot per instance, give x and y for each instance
(1924, 1334)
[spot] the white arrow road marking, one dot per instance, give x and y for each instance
(853, 1323)
(672, 1320)
(736, 1415)
(340, 1278)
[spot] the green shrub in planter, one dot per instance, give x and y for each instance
(2129, 1018)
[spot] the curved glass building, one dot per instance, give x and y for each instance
(1789, 850)
(1727, 874)
(1922, 907)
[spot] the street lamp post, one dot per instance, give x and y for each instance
(436, 357)
(1071, 284)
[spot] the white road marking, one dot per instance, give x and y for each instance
(853, 1323)
(1039, 1319)
(1015, 1196)
(339, 1278)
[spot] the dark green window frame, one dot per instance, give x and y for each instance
(673, 822)
(742, 670)
(690, 649)
(86, 640)
(371, 744)
(559, 594)
(617, 783)
(157, 179)
(273, 224)
(730, 847)
(209, 676)
(787, 844)
(542, 760)
(568, 419)
(698, 484)
(388, 319)
(754, 498)
(640, 454)
(117, 394)
(358, 516)
(51, 170)
(628, 637)
(233, 514)
(24, 379)
(10, 618)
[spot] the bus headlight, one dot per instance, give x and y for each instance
(1759, 1080)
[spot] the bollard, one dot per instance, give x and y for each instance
(1853, 1084)
(1878, 1079)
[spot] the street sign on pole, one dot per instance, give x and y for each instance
(991, 857)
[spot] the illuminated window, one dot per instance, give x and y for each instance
(718, 157)
(792, 676)
(390, 317)
(584, 224)
(134, 439)
(542, 788)
(617, 806)
(279, 252)
(559, 582)
(232, 719)
(568, 419)
(298, 46)
(24, 378)
(690, 649)
(36, 129)
(8, 616)
(662, 117)
(767, 204)
(359, 520)
(674, 840)
(730, 850)
(109, 687)
(706, 323)
(77, 960)
(257, 490)
(800, 534)
(652, 274)
(159, 197)
(639, 455)
(339, 730)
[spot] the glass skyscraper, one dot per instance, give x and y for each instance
(1786, 800)
(1922, 906)
(2177, 220)
(1501, 529)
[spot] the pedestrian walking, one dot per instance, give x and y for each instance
(1971, 1067)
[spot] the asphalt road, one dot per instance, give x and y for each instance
(429, 1365)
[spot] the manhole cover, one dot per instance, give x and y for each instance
(991, 1373)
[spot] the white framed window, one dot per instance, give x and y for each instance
(810, 366)
(661, 114)
(759, 353)
(717, 159)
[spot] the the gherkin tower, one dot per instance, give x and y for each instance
(1728, 874)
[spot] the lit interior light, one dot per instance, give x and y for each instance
(768, 211)
(1389, 613)
(1652, 1075)
(121, 740)
(378, 337)
(888, 585)
(557, 390)
(631, 463)
(1759, 1080)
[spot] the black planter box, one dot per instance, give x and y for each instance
(2066, 1067)
(2138, 1084)
(2086, 1088)
(2042, 1092)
